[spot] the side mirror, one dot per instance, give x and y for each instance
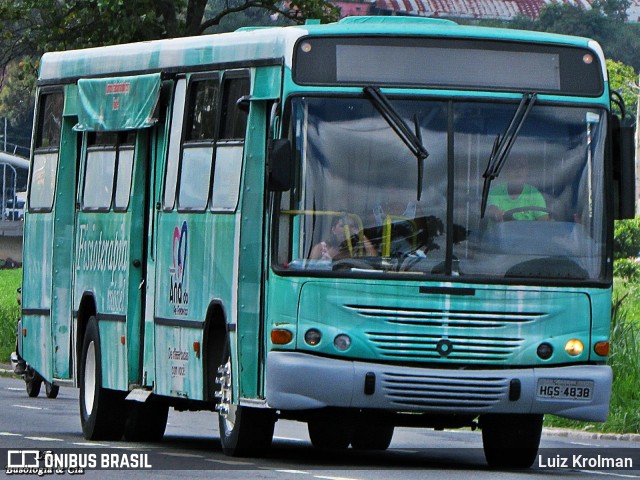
(624, 170)
(280, 166)
(243, 103)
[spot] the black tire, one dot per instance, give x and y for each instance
(51, 390)
(146, 422)
(372, 436)
(331, 432)
(511, 441)
(244, 431)
(33, 382)
(102, 411)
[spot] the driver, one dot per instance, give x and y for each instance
(336, 246)
(516, 193)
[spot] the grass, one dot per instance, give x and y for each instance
(624, 410)
(9, 311)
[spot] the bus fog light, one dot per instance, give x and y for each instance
(574, 347)
(342, 342)
(312, 337)
(280, 336)
(545, 350)
(602, 349)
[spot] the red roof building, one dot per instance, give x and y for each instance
(486, 9)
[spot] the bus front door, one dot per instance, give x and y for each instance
(111, 238)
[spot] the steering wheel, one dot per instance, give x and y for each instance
(508, 214)
(350, 263)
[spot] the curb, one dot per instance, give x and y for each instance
(579, 434)
(547, 431)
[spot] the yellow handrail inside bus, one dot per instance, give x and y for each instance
(386, 232)
(347, 228)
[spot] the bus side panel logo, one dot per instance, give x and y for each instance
(178, 289)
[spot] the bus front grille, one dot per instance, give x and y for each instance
(442, 393)
(426, 347)
(432, 334)
(433, 317)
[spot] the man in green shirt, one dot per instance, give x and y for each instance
(515, 193)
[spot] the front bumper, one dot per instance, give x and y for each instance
(299, 381)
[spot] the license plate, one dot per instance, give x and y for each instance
(562, 388)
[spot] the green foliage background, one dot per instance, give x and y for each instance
(9, 311)
(624, 411)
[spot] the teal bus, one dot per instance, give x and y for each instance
(304, 223)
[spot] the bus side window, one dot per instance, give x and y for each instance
(233, 124)
(175, 137)
(230, 146)
(45, 157)
(99, 171)
(126, 151)
(197, 148)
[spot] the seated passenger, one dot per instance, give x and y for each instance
(516, 193)
(337, 246)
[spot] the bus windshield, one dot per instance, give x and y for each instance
(354, 208)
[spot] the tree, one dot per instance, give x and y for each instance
(604, 22)
(32, 27)
(626, 239)
(624, 80)
(16, 102)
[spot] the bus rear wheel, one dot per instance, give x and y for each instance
(244, 431)
(51, 390)
(33, 382)
(511, 441)
(102, 411)
(146, 422)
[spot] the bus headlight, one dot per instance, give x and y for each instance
(545, 350)
(342, 342)
(312, 337)
(574, 347)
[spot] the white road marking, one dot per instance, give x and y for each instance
(290, 439)
(45, 439)
(334, 478)
(9, 434)
(228, 462)
(611, 474)
(29, 407)
(182, 455)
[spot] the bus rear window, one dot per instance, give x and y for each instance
(50, 120)
(45, 157)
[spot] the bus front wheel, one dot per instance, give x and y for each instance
(511, 441)
(329, 434)
(244, 431)
(370, 436)
(102, 411)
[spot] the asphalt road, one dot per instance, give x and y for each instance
(191, 449)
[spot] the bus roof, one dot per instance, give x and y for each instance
(261, 46)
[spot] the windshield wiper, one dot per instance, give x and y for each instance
(412, 140)
(502, 146)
